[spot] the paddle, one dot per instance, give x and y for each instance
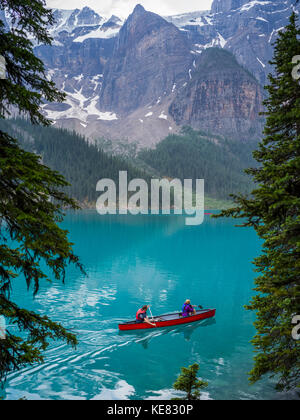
(152, 317)
(151, 313)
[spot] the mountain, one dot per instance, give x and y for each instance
(221, 97)
(247, 28)
(69, 20)
(224, 6)
(136, 76)
(144, 78)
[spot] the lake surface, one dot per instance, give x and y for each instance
(156, 260)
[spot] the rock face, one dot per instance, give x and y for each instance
(224, 6)
(247, 28)
(144, 78)
(222, 98)
(149, 57)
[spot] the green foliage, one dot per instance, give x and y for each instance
(187, 382)
(196, 155)
(274, 211)
(217, 204)
(30, 208)
(26, 85)
(122, 148)
(82, 164)
(31, 196)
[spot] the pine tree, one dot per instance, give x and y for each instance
(274, 211)
(31, 197)
(188, 382)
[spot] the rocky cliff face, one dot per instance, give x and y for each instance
(244, 27)
(222, 98)
(224, 6)
(143, 78)
(149, 57)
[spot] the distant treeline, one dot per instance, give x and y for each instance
(82, 164)
(189, 155)
(197, 155)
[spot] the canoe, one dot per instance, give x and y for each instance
(168, 320)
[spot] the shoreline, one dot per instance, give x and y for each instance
(210, 204)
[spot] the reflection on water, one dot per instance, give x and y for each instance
(144, 337)
(131, 261)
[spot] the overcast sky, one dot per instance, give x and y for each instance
(123, 8)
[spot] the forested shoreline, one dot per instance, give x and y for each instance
(189, 155)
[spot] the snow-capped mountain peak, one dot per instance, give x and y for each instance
(132, 78)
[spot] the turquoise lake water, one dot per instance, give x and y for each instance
(157, 260)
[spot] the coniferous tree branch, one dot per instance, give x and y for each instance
(273, 210)
(32, 200)
(26, 85)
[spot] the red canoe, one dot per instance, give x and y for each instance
(169, 320)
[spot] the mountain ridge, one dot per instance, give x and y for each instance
(144, 37)
(123, 86)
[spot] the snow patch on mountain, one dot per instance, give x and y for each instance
(81, 68)
(78, 106)
(99, 34)
(253, 3)
(163, 116)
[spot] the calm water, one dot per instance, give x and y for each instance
(131, 261)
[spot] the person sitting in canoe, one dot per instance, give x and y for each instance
(188, 309)
(141, 316)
